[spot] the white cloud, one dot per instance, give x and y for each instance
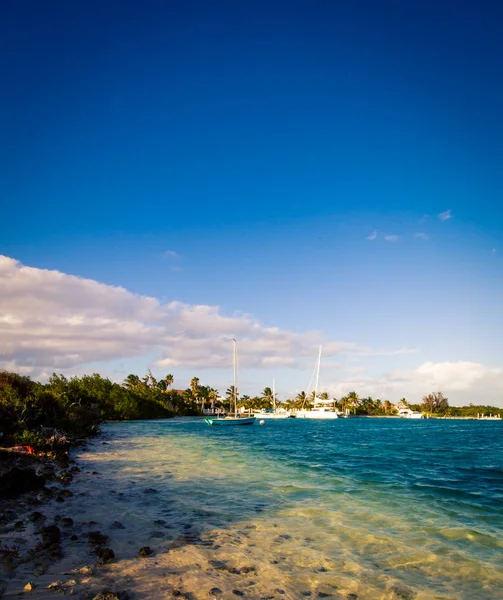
(372, 236)
(391, 238)
(443, 216)
(421, 236)
(461, 382)
(53, 321)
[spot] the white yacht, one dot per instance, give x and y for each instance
(322, 409)
(408, 413)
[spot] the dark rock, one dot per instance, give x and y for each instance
(75, 470)
(238, 593)
(66, 522)
(36, 516)
(96, 538)
(247, 569)
(279, 591)
(106, 595)
(218, 564)
(105, 555)
(215, 591)
(160, 522)
(16, 481)
(402, 593)
(306, 593)
(146, 551)
(117, 525)
(323, 595)
(150, 491)
(51, 535)
(74, 537)
(322, 570)
(60, 499)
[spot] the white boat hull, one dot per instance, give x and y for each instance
(407, 413)
(226, 421)
(272, 416)
(316, 414)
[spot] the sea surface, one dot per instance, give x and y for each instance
(349, 509)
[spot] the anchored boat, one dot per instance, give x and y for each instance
(236, 419)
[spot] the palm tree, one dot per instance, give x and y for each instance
(300, 399)
(403, 403)
(268, 398)
(212, 397)
(169, 379)
(231, 395)
(353, 401)
(132, 382)
(194, 386)
(245, 401)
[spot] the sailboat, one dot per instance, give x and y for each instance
(236, 419)
(275, 413)
(322, 409)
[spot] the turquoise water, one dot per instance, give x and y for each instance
(367, 508)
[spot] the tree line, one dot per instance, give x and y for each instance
(76, 405)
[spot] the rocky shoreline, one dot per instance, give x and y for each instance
(36, 533)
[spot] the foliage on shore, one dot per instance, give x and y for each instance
(77, 405)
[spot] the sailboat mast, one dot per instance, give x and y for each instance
(317, 376)
(235, 377)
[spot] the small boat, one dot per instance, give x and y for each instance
(236, 419)
(408, 413)
(322, 409)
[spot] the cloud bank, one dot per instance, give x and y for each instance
(463, 382)
(51, 321)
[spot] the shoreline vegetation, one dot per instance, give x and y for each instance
(53, 415)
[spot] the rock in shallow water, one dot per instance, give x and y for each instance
(51, 535)
(105, 555)
(96, 538)
(146, 551)
(17, 481)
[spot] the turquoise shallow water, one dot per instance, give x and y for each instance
(367, 508)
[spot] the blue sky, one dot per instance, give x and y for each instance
(240, 155)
